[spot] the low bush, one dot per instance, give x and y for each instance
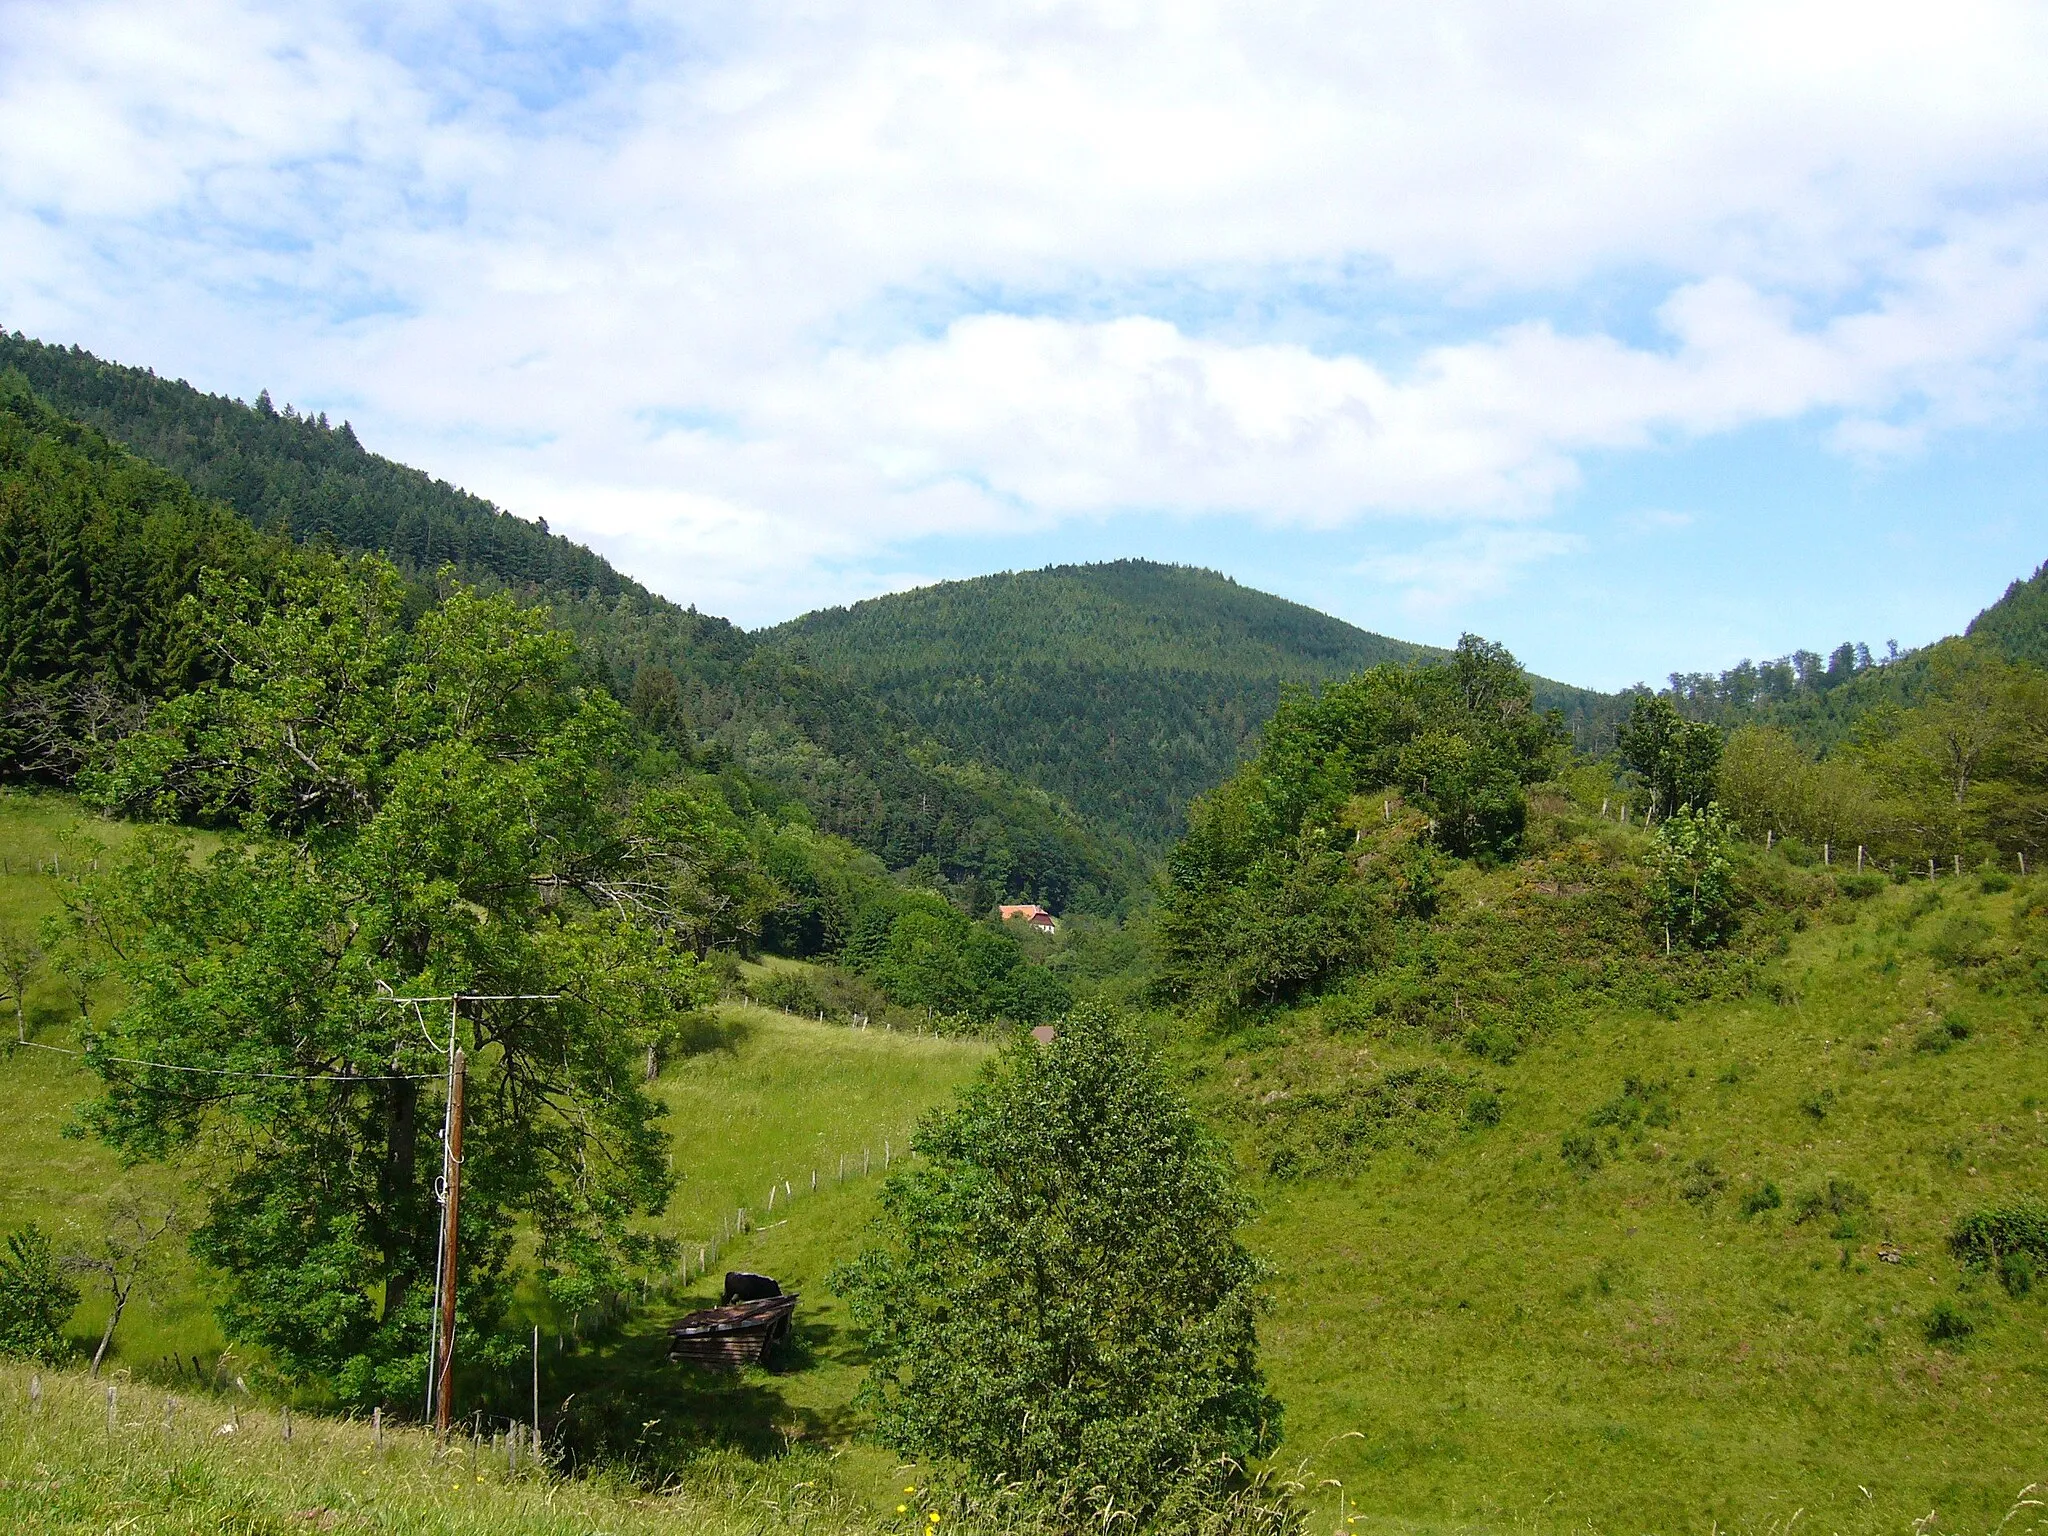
(1946, 1323)
(36, 1297)
(1952, 1030)
(1859, 887)
(2010, 1241)
(1701, 1182)
(1641, 1103)
(1840, 1199)
(1764, 1198)
(1962, 942)
(1335, 1130)
(1581, 1152)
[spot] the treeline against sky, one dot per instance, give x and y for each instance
(1126, 688)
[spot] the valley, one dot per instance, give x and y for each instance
(1612, 1081)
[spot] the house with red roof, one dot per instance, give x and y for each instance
(1030, 913)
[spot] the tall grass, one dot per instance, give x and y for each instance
(72, 1459)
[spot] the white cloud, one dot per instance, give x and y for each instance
(652, 280)
(1474, 564)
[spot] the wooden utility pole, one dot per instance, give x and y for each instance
(451, 1209)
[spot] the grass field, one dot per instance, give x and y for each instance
(1508, 1339)
(1484, 1335)
(167, 1464)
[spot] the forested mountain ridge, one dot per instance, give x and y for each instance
(2017, 624)
(1126, 688)
(1819, 699)
(863, 771)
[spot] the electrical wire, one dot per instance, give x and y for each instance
(289, 1077)
(310, 1077)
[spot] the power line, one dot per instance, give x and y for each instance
(308, 1077)
(289, 1077)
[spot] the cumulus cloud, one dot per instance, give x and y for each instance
(753, 297)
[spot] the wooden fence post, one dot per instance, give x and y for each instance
(377, 1426)
(113, 1419)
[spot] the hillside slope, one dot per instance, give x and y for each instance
(864, 771)
(1125, 688)
(2017, 624)
(1690, 1267)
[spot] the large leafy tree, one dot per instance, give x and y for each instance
(1259, 897)
(1674, 757)
(418, 809)
(1057, 1293)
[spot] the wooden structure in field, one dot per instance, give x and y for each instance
(726, 1338)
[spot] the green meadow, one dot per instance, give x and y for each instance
(1726, 1322)
(1688, 1279)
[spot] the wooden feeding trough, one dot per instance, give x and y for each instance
(726, 1338)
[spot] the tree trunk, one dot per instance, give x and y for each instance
(113, 1321)
(400, 1151)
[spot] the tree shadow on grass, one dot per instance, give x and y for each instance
(621, 1400)
(708, 1030)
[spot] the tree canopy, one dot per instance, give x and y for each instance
(423, 811)
(1260, 898)
(1056, 1293)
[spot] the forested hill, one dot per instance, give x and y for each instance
(1125, 688)
(1819, 698)
(864, 772)
(2017, 624)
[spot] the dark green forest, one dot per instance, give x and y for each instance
(1125, 688)
(861, 769)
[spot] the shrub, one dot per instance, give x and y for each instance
(1701, 1182)
(1482, 1107)
(2009, 1240)
(1963, 941)
(1335, 1129)
(1952, 1030)
(1691, 889)
(2017, 1272)
(788, 991)
(1766, 1198)
(36, 1298)
(1580, 1151)
(1859, 887)
(1838, 1198)
(1946, 1323)
(1058, 1295)
(1818, 1103)
(1641, 1102)
(1994, 881)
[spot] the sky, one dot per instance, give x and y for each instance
(1641, 338)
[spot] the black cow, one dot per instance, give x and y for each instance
(741, 1286)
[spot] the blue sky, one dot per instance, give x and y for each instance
(1640, 338)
